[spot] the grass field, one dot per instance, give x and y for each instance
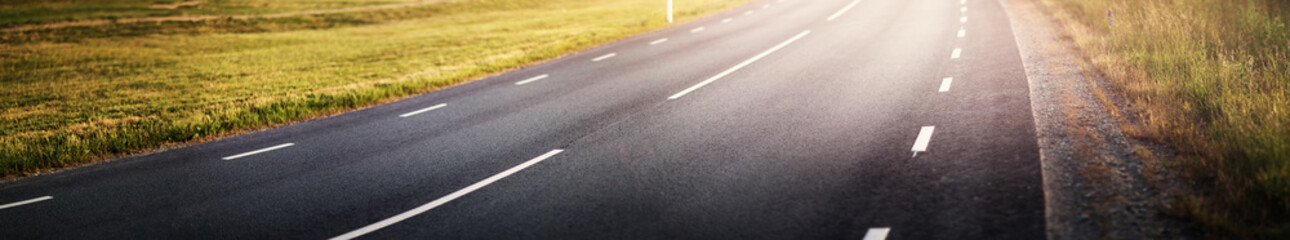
(45, 11)
(77, 95)
(1212, 79)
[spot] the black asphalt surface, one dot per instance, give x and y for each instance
(812, 141)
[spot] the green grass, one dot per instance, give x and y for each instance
(18, 12)
(1211, 78)
(107, 92)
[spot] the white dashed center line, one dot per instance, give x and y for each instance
(924, 136)
(606, 56)
(445, 199)
(741, 65)
(419, 111)
(963, 19)
(262, 150)
(963, 9)
(877, 234)
(843, 10)
(539, 77)
(962, 1)
(945, 84)
(748, 12)
(695, 30)
(658, 41)
(962, 32)
(726, 20)
(764, 6)
(25, 202)
(956, 53)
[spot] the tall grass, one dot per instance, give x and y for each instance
(1211, 78)
(69, 101)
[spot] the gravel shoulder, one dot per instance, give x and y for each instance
(1099, 183)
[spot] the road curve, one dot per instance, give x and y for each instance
(873, 119)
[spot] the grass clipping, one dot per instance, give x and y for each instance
(77, 95)
(1210, 78)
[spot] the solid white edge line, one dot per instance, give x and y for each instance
(945, 84)
(726, 20)
(877, 233)
(419, 111)
(539, 77)
(445, 199)
(843, 10)
(740, 65)
(279, 146)
(658, 41)
(698, 29)
(25, 202)
(962, 32)
(924, 136)
(957, 52)
(597, 59)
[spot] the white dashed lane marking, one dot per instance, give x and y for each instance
(877, 234)
(419, 111)
(740, 65)
(606, 56)
(262, 150)
(445, 199)
(25, 202)
(525, 81)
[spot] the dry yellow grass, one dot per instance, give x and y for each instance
(1210, 78)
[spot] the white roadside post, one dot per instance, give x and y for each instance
(669, 11)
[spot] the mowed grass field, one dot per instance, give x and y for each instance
(78, 95)
(1212, 79)
(19, 12)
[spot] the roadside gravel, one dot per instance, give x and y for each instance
(1098, 183)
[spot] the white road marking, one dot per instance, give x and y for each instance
(419, 111)
(963, 9)
(956, 53)
(924, 136)
(764, 6)
(963, 19)
(945, 84)
(749, 12)
(698, 29)
(843, 10)
(25, 202)
(279, 146)
(740, 65)
(606, 56)
(726, 20)
(658, 41)
(877, 234)
(962, 32)
(445, 199)
(962, 1)
(539, 77)
(779, 0)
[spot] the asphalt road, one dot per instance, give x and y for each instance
(792, 119)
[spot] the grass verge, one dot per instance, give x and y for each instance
(73, 100)
(1211, 79)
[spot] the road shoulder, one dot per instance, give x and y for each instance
(1099, 183)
